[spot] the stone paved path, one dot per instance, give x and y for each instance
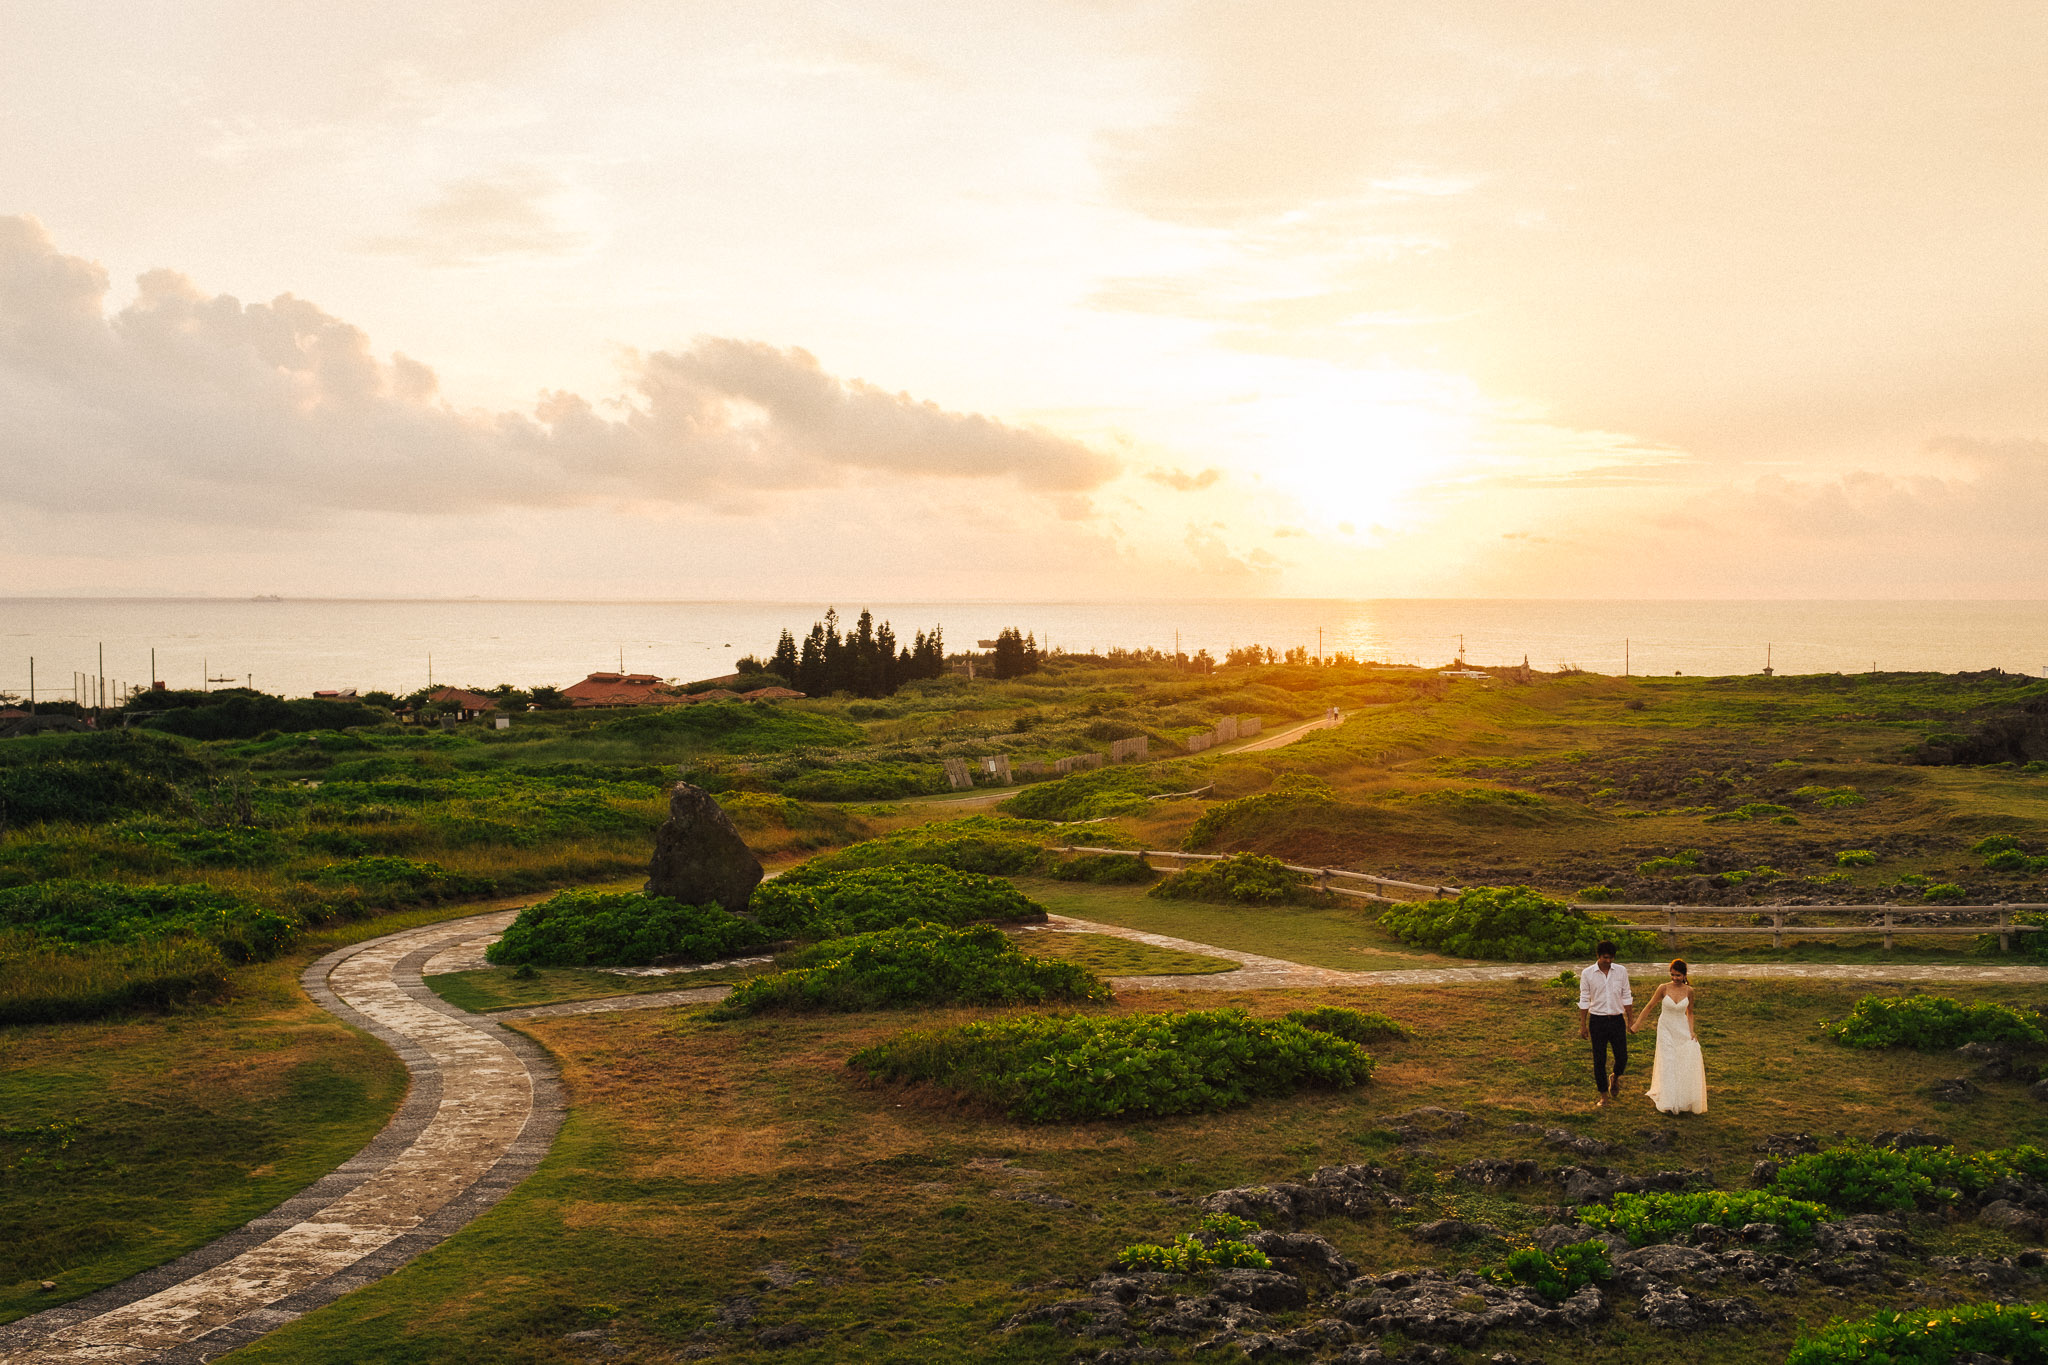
(482, 1110)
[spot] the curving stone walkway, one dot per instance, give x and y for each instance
(485, 1106)
(482, 1110)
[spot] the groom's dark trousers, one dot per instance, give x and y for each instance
(1608, 1030)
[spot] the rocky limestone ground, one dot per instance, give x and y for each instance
(1313, 1305)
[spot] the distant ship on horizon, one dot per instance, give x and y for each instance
(266, 597)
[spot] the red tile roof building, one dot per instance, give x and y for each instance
(623, 689)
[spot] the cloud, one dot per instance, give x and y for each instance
(202, 408)
(1182, 481)
(521, 212)
(1214, 560)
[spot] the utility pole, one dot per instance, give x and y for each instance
(152, 668)
(31, 684)
(1319, 644)
(100, 686)
(205, 674)
(1624, 658)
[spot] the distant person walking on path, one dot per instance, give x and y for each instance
(1604, 998)
(1678, 1074)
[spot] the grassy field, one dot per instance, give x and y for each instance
(717, 1180)
(1108, 955)
(128, 1142)
(700, 1154)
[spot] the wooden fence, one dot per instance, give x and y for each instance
(1952, 919)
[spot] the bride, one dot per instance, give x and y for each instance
(1678, 1077)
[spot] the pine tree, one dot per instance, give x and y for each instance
(783, 663)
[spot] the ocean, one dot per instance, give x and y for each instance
(296, 646)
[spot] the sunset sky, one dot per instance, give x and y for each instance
(935, 300)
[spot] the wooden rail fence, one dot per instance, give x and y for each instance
(1955, 919)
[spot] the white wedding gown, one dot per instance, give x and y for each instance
(1678, 1076)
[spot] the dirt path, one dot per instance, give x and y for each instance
(482, 1110)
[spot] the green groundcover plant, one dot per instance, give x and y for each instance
(1931, 1023)
(1046, 1068)
(621, 929)
(1556, 1275)
(916, 964)
(1217, 1244)
(992, 845)
(1506, 923)
(1645, 1218)
(2015, 1332)
(1106, 869)
(1855, 1178)
(85, 912)
(1242, 879)
(1354, 1026)
(814, 903)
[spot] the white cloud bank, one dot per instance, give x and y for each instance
(189, 408)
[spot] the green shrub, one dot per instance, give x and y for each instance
(1654, 1217)
(1754, 810)
(78, 912)
(1594, 895)
(621, 929)
(809, 902)
(917, 964)
(1189, 1256)
(1931, 1023)
(1931, 1336)
(1506, 923)
(1855, 857)
(1046, 1068)
(1853, 1178)
(44, 981)
(1106, 869)
(868, 782)
(1944, 893)
(1996, 843)
(1356, 1026)
(1290, 796)
(1686, 861)
(1241, 878)
(238, 713)
(733, 727)
(1090, 795)
(996, 846)
(403, 879)
(1829, 798)
(1556, 1275)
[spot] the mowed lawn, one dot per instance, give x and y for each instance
(720, 1180)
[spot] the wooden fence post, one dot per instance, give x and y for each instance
(1670, 927)
(2004, 928)
(1887, 931)
(1778, 929)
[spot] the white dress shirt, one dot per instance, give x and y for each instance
(1605, 992)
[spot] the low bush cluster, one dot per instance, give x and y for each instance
(1280, 806)
(81, 912)
(1855, 857)
(1931, 1336)
(1506, 923)
(986, 844)
(403, 879)
(46, 982)
(1556, 1275)
(1644, 1218)
(1931, 1023)
(621, 929)
(817, 904)
(1685, 861)
(1354, 1026)
(1241, 879)
(1047, 1068)
(1855, 1178)
(1217, 1244)
(916, 964)
(1106, 869)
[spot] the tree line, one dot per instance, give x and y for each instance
(866, 661)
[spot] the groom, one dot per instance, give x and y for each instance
(1604, 999)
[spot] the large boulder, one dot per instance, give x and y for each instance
(699, 857)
